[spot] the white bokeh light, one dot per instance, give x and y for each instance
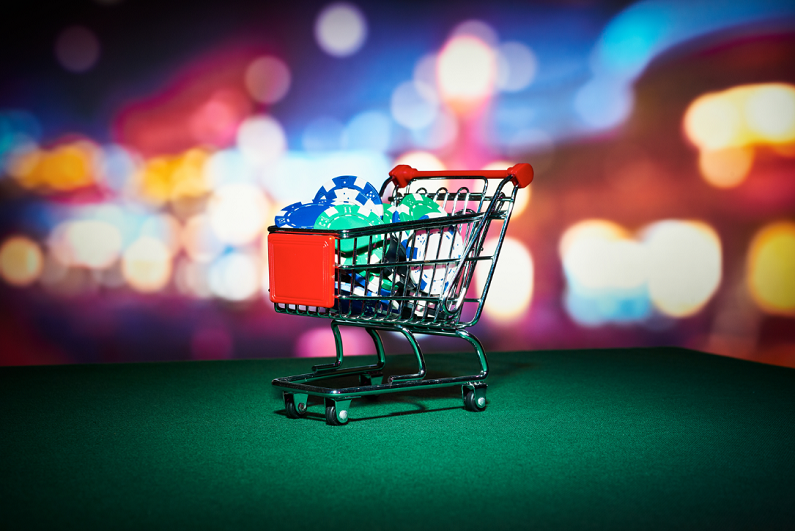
(235, 276)
(261, 140)
(516, 66)
(414, 104)
(340, 29)
(237, 213)
(511, 287)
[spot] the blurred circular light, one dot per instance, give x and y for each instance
(166, 228)
(192, 279)
(340, 29)
(237, 213)
(261, 140)
(146, 265)
(770, 112)
(466, 72)
(726, 168)
(86, 243)
(371, 130)
(425, 70)
(603, 103)
(516, 66)
(440, 133)
(116, 166)
(713, 122)
(21, 261)
(421, 160)
(414, 104)
(477, 29)
(512, 284)
(77, 49)
(267, 79)
(235, 276)
(684, 266)
(316, 342)
(771, 268)
(323, 134)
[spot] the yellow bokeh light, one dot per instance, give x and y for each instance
(172, 178)
(63, 168)
(726, 168)
(770, 112)
(466, 72)
(146, 265)
(511, 287)
(714, 122)
(742, 116)
(21, 261)
(771, 268)
(684, 265)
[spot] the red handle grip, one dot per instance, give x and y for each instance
(522, 174)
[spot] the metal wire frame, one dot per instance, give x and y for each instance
(386, 311)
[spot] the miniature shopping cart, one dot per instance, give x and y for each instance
(410, 277)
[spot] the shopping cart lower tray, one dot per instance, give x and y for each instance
(411, 277)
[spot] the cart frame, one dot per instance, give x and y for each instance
(384, 304)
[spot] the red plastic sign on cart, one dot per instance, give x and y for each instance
(301, 268)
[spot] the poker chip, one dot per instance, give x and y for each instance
(361, 257)
(434, 279)
(350, 216)
(348, 188)
(301, 215)
(418, 206)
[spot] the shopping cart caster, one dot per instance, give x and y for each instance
(295, 405)
(337, 412)
(474, 396)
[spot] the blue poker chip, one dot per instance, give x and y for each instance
(347, 188)
(300, 215)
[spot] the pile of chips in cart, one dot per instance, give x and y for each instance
(349, 202)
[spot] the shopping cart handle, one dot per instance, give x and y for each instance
(522, 174)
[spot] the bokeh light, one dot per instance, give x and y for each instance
(267, 79)
(21, 261)
(261, 140)
(421, 160)
(237, 213)
(414, 104)
(466, 72)
(340, 29)
(235, 276)
(171, 178)
(727, 167)
(146, 265)
(63, 168)
(77, 49)
(685, 265)
(771, 268)
(516, 66)
(369, 130)
(91, 243)
(511, 289)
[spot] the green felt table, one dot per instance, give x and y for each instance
(634, 438)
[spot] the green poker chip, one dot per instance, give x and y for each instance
(418, 206)
(361, 256)
(350, 216)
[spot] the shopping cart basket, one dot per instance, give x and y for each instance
(409, 277)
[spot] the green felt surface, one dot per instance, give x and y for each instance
(637, 438)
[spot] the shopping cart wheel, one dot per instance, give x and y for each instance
(474, 397)
(295, 405)
(337, 412)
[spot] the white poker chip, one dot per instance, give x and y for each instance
(449, 245)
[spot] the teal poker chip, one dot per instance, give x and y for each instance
(418, 206)
(350, 216)
(361, 256)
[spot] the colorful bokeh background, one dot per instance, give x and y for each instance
(145, 148)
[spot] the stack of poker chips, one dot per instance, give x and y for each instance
(349, 202)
